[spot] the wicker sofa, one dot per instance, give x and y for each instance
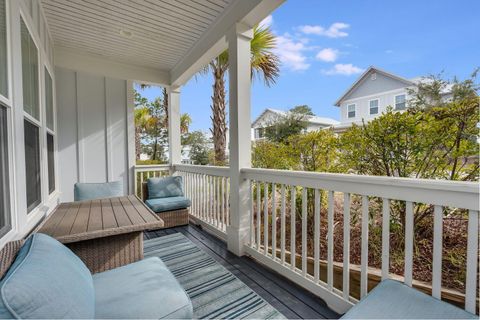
(165, 197)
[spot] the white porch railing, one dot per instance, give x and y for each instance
(274, 192)
(208, 188)
(143, 172)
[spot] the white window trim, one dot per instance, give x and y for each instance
(370, 107)
(395, 101)
(354, 110)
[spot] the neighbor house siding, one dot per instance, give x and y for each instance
(369, 87)
(93, 134)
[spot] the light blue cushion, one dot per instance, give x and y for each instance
(47, 280)
(394, 300)
(168, 204)
(90, 191)
(144, 290)
(165, 187)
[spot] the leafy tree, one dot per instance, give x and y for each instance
(199, 149)
(303, 109)
(272, 155)
(292, 123)
(264, 65)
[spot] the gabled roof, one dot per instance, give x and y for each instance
(310, 119)
(364, 75)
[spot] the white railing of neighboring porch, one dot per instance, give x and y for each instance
(266, 208)
(208, 188)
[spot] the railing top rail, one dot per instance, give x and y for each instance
(440, 192)
(209, 170)
(152, 166)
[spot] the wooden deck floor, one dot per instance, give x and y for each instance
(291, 300)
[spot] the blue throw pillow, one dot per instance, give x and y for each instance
(47, 280)
(165, 187)
(90, 191)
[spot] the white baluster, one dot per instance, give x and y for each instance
(316, 238)
(274, 222)
(282, 225)
(252, 215)
(472, 262)
(364, 254)
(437, 252)
(293, 202)
(385, 239)
(346, 246)
(408, 243)
(265, 219)
(259, 215)
(304, 231)
(330, 240)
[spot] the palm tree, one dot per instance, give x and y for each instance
(264, 65)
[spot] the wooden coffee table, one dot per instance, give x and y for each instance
(104, 233)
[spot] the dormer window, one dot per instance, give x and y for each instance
(351, 110)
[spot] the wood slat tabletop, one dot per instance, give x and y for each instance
(85, 220)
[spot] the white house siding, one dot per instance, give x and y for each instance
(93, 129)
(362, 105)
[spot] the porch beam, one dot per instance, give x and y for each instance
(174, 142)
(239, 38)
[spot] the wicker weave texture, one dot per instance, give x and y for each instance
(8, 255)
(174, 218)
(107, 253)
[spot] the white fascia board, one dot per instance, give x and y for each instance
(213, 41)
(69, 59)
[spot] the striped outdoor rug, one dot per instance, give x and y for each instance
(214, 291)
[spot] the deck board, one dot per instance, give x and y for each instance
(291, 300)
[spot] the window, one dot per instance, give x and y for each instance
(351, 110)
(4, 181)
(49, 100)
(29, 73)
(3, 50)
(32, 164)
(400, 102)
(374, 106)
(51, 162)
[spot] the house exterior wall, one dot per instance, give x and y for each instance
(362, 105)
(93, 130)
(21, 219)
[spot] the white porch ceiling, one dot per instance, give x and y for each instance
(148, 33)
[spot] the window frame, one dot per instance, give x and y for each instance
(8, 101)
(370, 106)
(39, 123)
(48, 131)
(395, 102)
(354, 110)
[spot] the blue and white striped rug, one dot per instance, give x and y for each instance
(215, 292)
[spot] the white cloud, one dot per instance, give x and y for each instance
(388, 51)
(267, 22)
(336, 30)
(343, 69)
(292, 52)
(327, 55)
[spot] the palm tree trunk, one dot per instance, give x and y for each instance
(165, 106)
(218, 115)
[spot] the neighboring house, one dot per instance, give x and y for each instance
(270, 116)
(372, 93)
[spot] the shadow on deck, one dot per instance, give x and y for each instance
(290, 299)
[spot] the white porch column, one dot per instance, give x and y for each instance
(240, 135)
(174, 142)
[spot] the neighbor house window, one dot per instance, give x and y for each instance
(3, 50)
(400, 102)
(4, 181)
(374, 106)
(31, 109)
(351, 110)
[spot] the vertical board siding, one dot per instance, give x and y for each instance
(92, 133)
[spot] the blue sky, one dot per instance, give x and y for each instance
(325, 45)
